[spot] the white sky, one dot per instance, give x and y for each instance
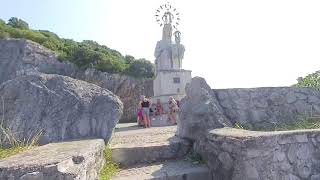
(231, 43)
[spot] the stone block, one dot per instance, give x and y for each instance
(78, 160)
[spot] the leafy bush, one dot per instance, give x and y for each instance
(84, 54)
(2, 22)
(141, 68)
(311, 80)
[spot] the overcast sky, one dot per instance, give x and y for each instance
(231, 43)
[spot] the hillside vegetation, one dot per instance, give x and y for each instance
(84, 54)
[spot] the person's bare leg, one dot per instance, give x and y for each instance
(145, 120)
(149, 121)
(173, 118)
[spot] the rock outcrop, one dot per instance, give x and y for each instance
(200, 111)
(264, 108)
(60, 107)
(77, 160)
(23, 57)
(234, 154)
(20, 57)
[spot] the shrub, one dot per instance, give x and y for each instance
(311, 80)
(141, 68)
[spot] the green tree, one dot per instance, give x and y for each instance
(311, 80)
(141, 68)
(18, 23)
(129, 59)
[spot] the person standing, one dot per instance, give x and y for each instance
(159, 108)
(145, 105)
(173, 109)
(139, 115)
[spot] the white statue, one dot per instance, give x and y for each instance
(177, 51)
(163, 52)
(168, 55)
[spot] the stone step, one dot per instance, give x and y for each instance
(135, 153)
(133, 146)
(169, 170)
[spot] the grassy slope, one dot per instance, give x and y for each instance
(110, 168)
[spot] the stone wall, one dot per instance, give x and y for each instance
(267, 106)
(234, 154)
(204, 108)
(23, 57)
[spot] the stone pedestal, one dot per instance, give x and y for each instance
(170, 83)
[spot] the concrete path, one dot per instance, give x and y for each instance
(178, 169)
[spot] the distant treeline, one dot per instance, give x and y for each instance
(84, 54)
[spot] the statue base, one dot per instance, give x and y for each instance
(171, 82)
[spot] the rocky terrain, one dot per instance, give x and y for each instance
(23, 57)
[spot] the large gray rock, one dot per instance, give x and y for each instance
(61, 107)
(77, 160)
(128, 89)
(23, 57)
(200, 111)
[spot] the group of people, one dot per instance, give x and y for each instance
(148, 110)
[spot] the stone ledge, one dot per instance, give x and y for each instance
(243, 155)
(240, 133)
(56, 161)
